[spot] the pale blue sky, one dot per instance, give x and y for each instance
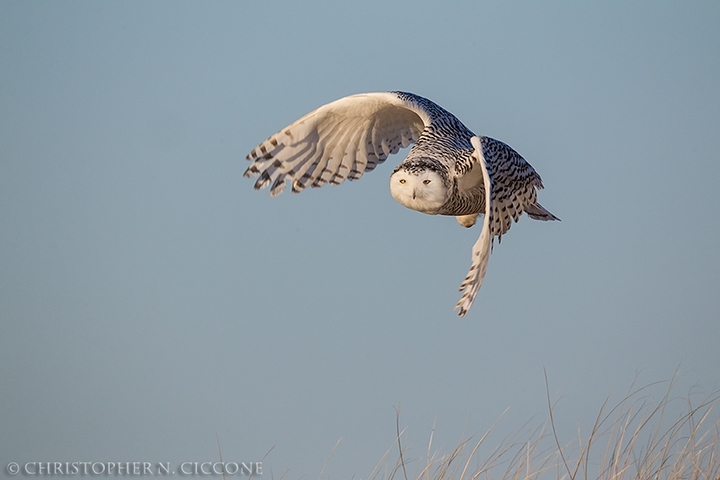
(149, 297)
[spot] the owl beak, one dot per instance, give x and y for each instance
(414, 193)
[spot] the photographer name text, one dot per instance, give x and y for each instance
(134, 468)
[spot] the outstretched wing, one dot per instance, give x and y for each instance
(510, 186)
(515, 183)
(338, 141)
(481, 250)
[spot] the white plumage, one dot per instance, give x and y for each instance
(448, 171)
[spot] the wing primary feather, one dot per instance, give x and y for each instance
(298, 176)
(269, 174)
(338, 160)
(319, 167)
(333, 156)
(326, 132)
(350, 160)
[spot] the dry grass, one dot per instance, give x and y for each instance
(637, 438)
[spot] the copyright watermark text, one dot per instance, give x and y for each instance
(135, 468)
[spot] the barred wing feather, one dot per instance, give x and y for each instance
(338, 141)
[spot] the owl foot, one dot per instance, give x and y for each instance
(467, 221)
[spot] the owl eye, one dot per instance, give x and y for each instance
(425, 182)
(403, 181)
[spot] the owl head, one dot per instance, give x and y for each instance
(419, 185)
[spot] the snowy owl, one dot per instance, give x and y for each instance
(448, 171)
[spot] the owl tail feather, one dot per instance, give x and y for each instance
(538, 212)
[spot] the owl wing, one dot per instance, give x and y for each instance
(481, 249)
(338, 141)
(515, 183)
(510, 187)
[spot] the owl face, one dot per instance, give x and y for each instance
(422, 190)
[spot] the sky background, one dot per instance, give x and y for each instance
(151, 299)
